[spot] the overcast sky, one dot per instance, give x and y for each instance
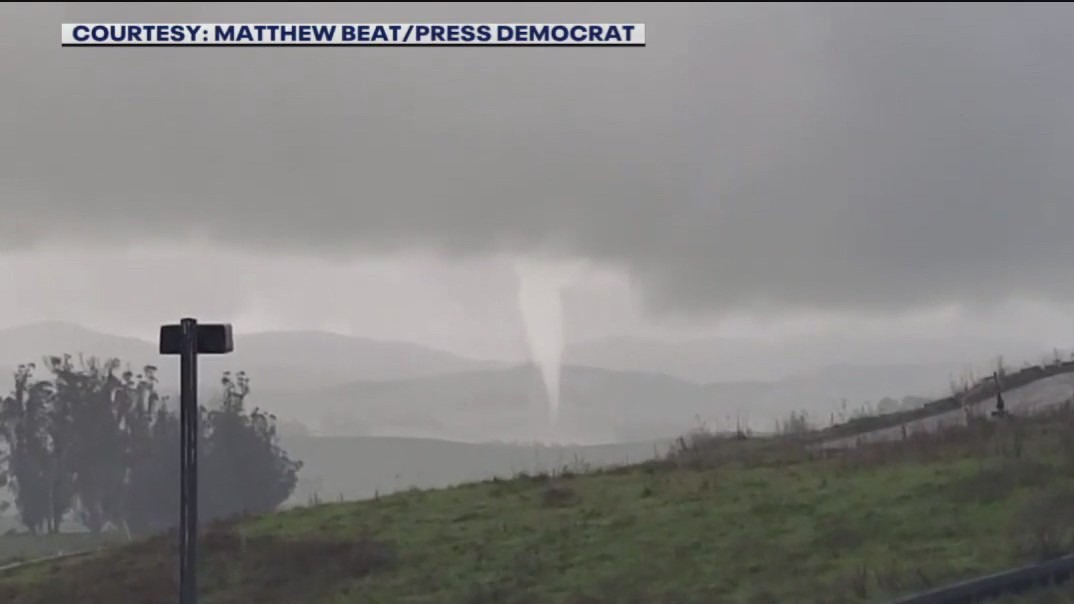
(753, 171)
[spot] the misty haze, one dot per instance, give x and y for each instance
(778, 305)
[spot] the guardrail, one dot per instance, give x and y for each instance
(982, 391)
(996, 584)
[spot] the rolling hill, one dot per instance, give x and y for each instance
(755, 521)
(29, 343)
(597, 405)
(508, 405)
(343, 385)
(706, 360)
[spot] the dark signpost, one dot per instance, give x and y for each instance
(1001, 406)
(188, 339)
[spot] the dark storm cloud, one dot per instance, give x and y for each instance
(865, 157)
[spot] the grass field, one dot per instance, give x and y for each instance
(751, 521)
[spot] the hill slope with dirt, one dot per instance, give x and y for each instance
(754, 520)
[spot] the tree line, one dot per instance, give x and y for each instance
(99, 445)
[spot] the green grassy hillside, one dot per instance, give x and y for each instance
(741, 521)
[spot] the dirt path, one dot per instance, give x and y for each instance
(14, 565)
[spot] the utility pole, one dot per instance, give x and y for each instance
(188, 339)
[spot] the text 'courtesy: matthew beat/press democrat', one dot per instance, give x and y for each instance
(567, 34)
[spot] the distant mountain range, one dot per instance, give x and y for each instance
(617, 390)
(597, 405)
(510, 404)
(29, 343)
(731, 359)
(368, 416)
(273, 359)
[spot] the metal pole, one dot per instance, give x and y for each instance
(188, 467)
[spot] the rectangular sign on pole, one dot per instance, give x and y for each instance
(187, 339)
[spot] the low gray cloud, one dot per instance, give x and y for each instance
(877, 157)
